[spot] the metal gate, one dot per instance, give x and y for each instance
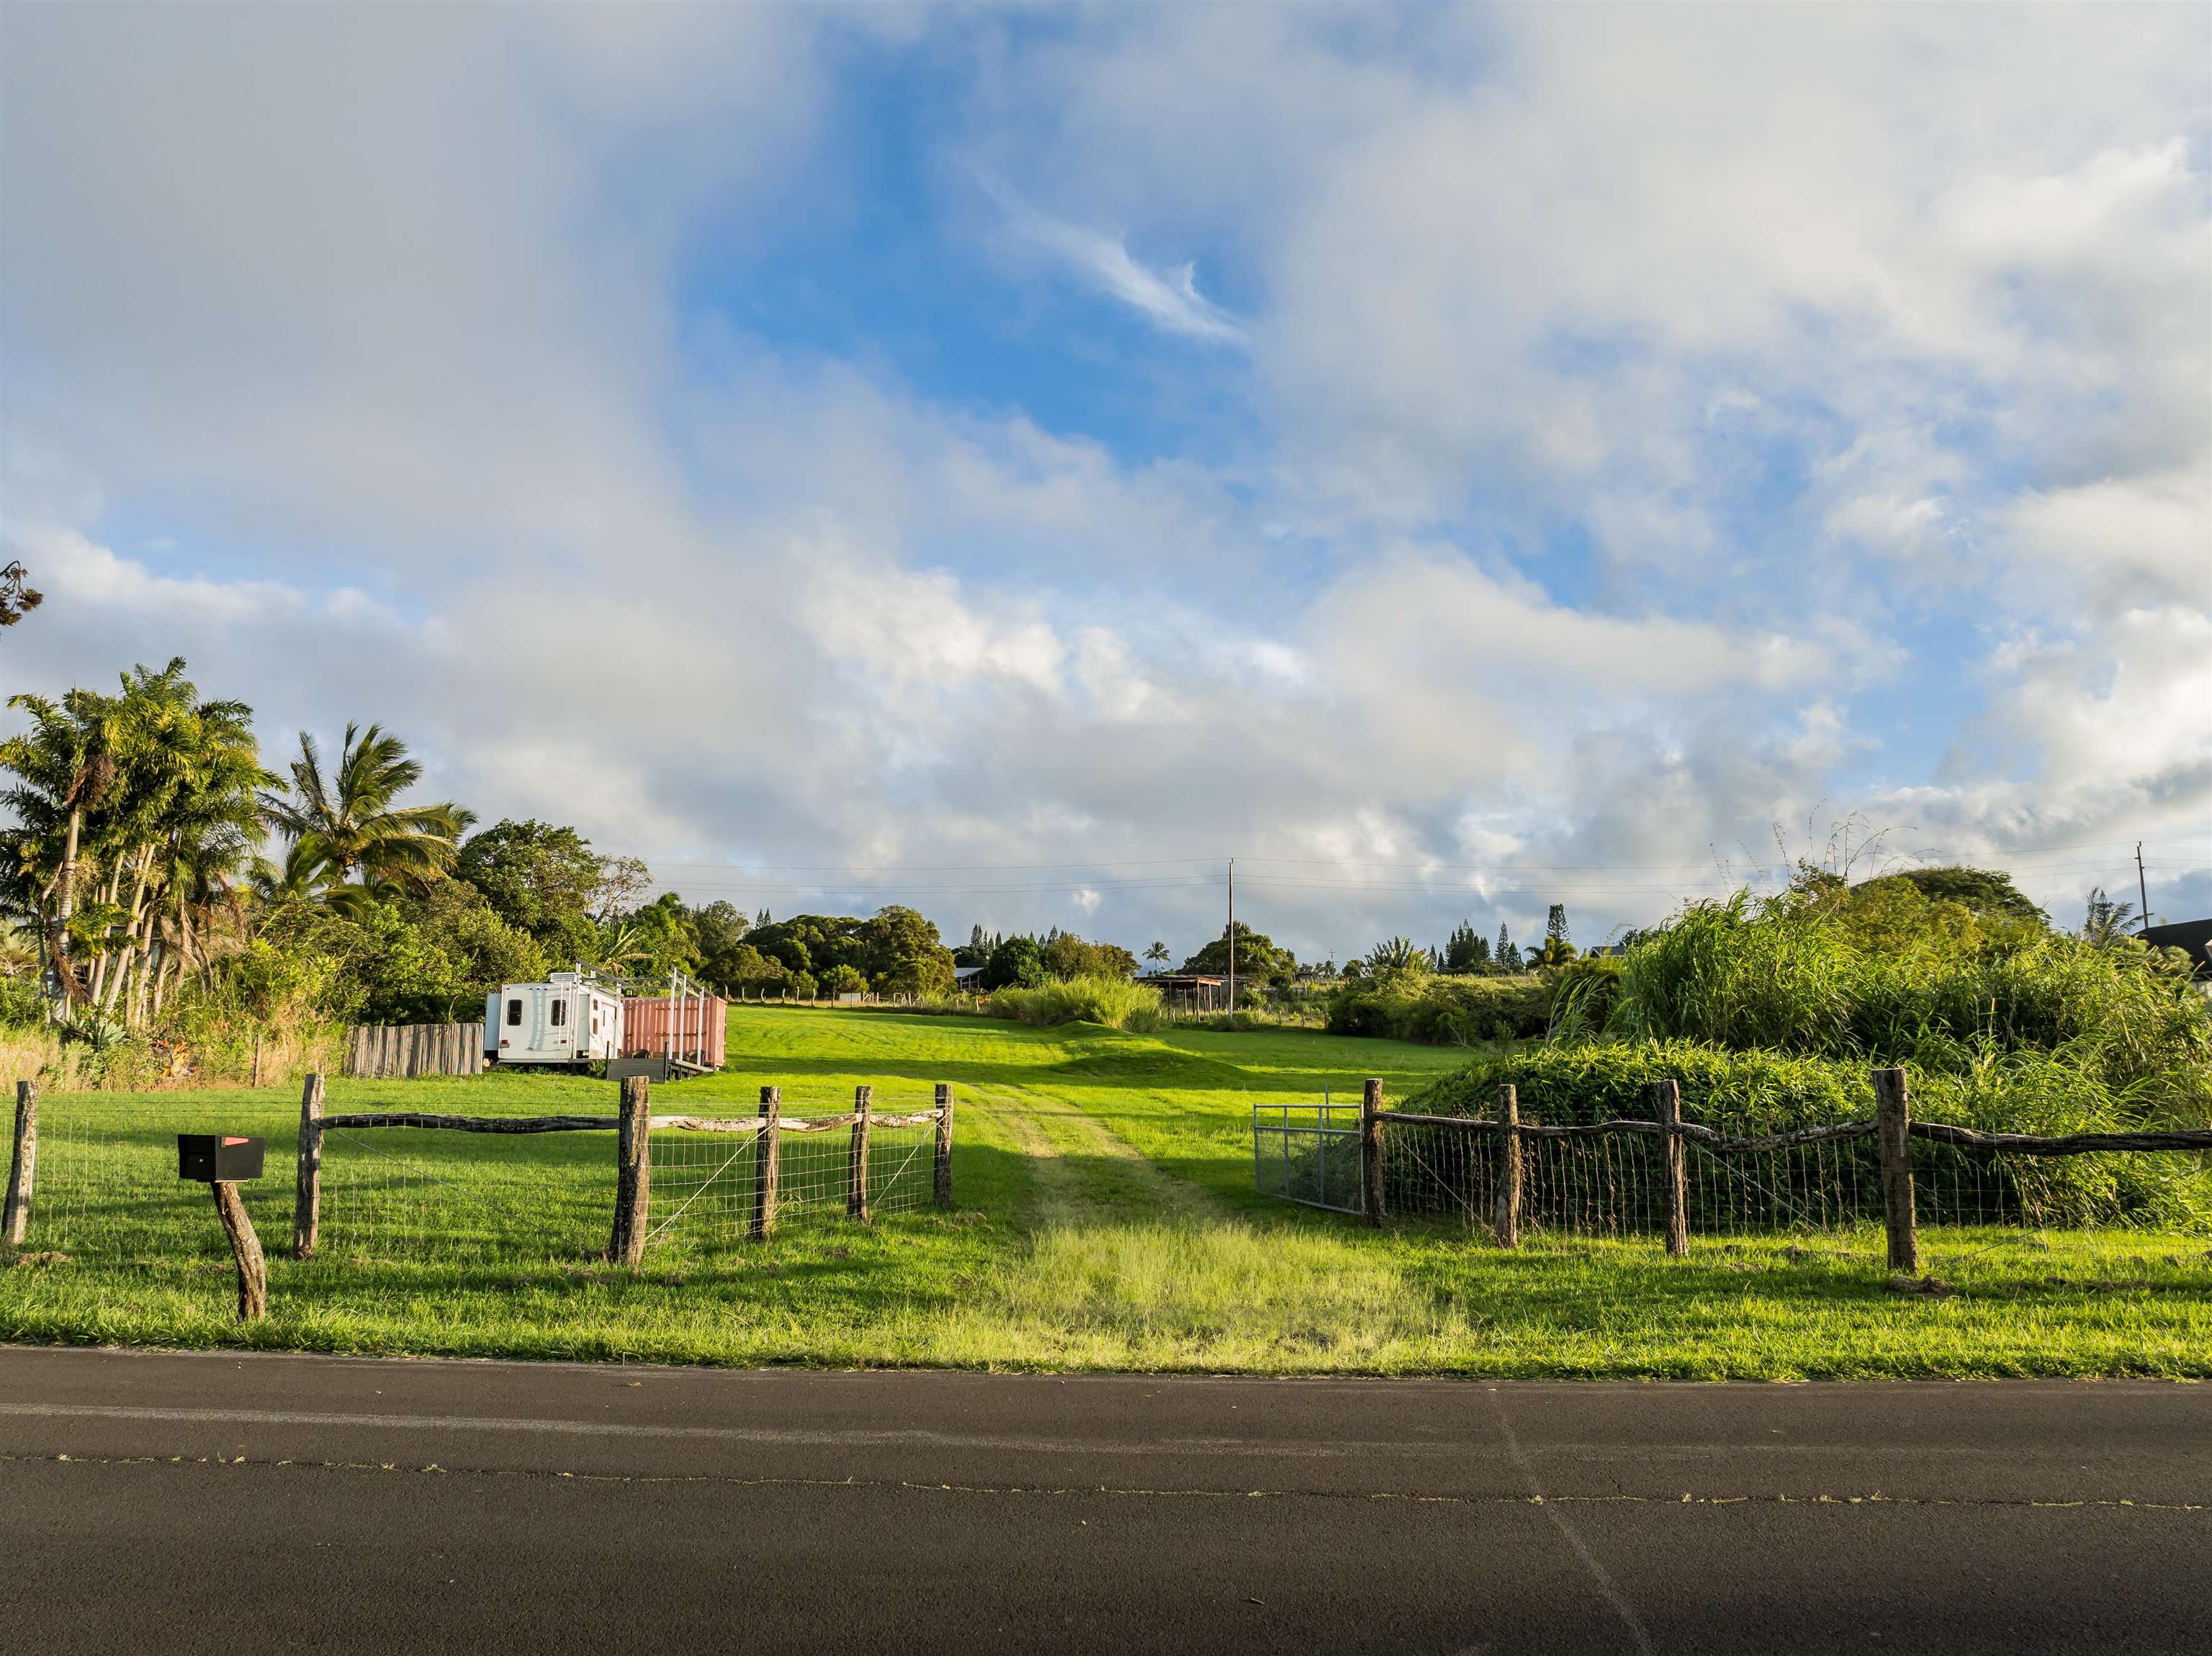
(1309, 1153)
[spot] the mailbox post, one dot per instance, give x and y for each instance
(219, 1161)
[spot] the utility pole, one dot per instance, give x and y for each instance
(1232, 934)
(2143, 888)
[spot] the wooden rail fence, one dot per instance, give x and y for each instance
(633, 1124)
(1891, 1127)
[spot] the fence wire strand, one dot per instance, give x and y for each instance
(1614, 1184)
(703, 1182)
(107, 1190)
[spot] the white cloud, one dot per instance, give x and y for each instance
(2124, 540)
(1168, 298)
(372, 326)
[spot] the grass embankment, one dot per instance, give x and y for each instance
(1107, 1218)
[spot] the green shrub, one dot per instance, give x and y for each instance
(1900, 979)
(1749, 1093)
(1114, 1002)
(1442, 1011)
(842, 981)
(1740, 1093)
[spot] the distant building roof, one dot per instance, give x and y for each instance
(2194, 936)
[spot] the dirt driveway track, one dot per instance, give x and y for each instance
(156, 1502)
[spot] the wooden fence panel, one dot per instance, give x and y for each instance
(389, 1051)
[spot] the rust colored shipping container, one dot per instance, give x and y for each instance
(696, 1032)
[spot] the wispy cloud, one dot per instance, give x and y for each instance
(1169, 297)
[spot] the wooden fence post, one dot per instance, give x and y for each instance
(1509, 1166)
(633, 1174)
(856, 1163)
(766, 1162)
(246, 1250)
(1893, 1118)
(23, 1166)
(1371, 1151)
(1667, 1097)
(307, 1181)
(944, 1181)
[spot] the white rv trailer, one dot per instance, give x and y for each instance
(570, 1019)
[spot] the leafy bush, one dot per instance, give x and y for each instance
(1770, 1014)
(1861, 982)
(1114, 1002)
(1749, 1093)
(1442, 1011)
(1017, 963)
(1741, 1093)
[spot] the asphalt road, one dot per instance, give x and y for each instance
(154, 1502)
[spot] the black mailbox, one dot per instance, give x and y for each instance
(215, 1158)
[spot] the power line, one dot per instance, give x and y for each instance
(1499, 877)
(2013, 856)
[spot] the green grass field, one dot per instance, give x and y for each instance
(1106, 1218)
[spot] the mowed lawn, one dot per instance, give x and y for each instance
(1105, 1218)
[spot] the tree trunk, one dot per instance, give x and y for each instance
(66, 906)
(99, 962)
(115, 989)
(161, 982)
(157, 959)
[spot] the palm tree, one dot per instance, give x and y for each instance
(345, 825)
(92, 773)
(1158, 955)
(1397, 954)
(1556, 951)
(19, 950)
(209, 829)
(2106, 923)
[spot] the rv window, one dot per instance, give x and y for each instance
(513, 1012)
(560, 1013)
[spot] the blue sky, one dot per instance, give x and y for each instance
(1452, 459)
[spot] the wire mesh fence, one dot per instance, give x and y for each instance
(487, 1190)
(710, 1184)
(400, 1193)
(107, 1186)
(1308, 1153)
(1613, 1183)
(1622, 1178)
(107, 1190)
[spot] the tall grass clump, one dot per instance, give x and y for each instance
(1891, 984)
(1769, 1012)
(1115, 1002)
(1726, 972)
